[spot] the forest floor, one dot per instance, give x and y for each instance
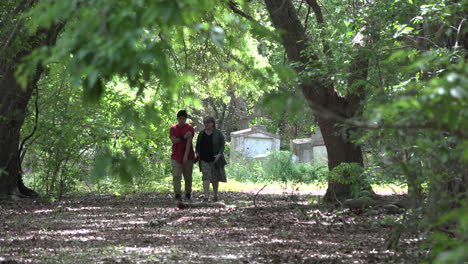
(242, 227)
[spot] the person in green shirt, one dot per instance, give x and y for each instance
(209, 149)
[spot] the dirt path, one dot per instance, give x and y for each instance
(146, 228)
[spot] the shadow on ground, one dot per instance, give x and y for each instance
(241, 228)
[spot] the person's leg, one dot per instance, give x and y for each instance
(206, 172)
(215, 190)
(206, 190)
(188, 169)
(176, 178)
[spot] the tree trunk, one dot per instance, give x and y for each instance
(13, 110)
(339, 150)
(320, 93)
(13, 106)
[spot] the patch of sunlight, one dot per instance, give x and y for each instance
(330, 256)
(126, 215)
(317, 188)
(221, 256)
(191, 218)
(88, 208)
(233, 185)
(65, 235)
(246, 244)
(141, 222)
(228, 256)
(75, 231)
(276, 240)
(328, 243)
(109, 221)
(84, 238)
(274, 187)
(257, 239)
(42, 211)
(144, 250)
(154, 235)
(390, 189)
(19, 238)
(120, 222)
(413, 240)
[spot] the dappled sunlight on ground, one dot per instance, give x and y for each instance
(277, 228)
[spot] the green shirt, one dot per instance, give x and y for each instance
(218, 145)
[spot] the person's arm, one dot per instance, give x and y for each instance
(221, 146)
(172, 136)
(197, 144)
(187, 148)
(188, 136)
(175, 140)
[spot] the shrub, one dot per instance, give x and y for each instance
(248, 170)
(277, 167)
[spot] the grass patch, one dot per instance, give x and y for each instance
(390, 188)
(237, 186)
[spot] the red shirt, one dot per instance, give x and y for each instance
(178, 149)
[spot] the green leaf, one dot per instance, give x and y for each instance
(92, 94)
(285, 73)
(464, 148)
(259, 31)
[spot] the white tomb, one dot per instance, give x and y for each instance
(310, 150)
(253, 142)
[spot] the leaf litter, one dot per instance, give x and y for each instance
(242, 228)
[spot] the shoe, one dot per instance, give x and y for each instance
(188, 196)
(178, 197)
(180, 205)
(215, 199)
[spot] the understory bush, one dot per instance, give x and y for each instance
(276, 167)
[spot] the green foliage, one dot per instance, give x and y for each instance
(352, 174)
(227, 151)
(346, 173)
(168, 44)
(450, 246)
(119, 38)
(124, 165)
(246, 171)
(288, 115)
(311, 173)
(133, 60)
(418, 98)
(277, 167)
(137, 62)
(120, 137)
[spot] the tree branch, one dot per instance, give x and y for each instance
(234, 7)
(36, 121)
(331, 115)
(295, 41)
(457, 38)
(247, 67)
(319, 17)
(359, 69)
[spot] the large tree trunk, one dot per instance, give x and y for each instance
(13, 110)
(320, 93)
(13, 106)
(340, 150)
